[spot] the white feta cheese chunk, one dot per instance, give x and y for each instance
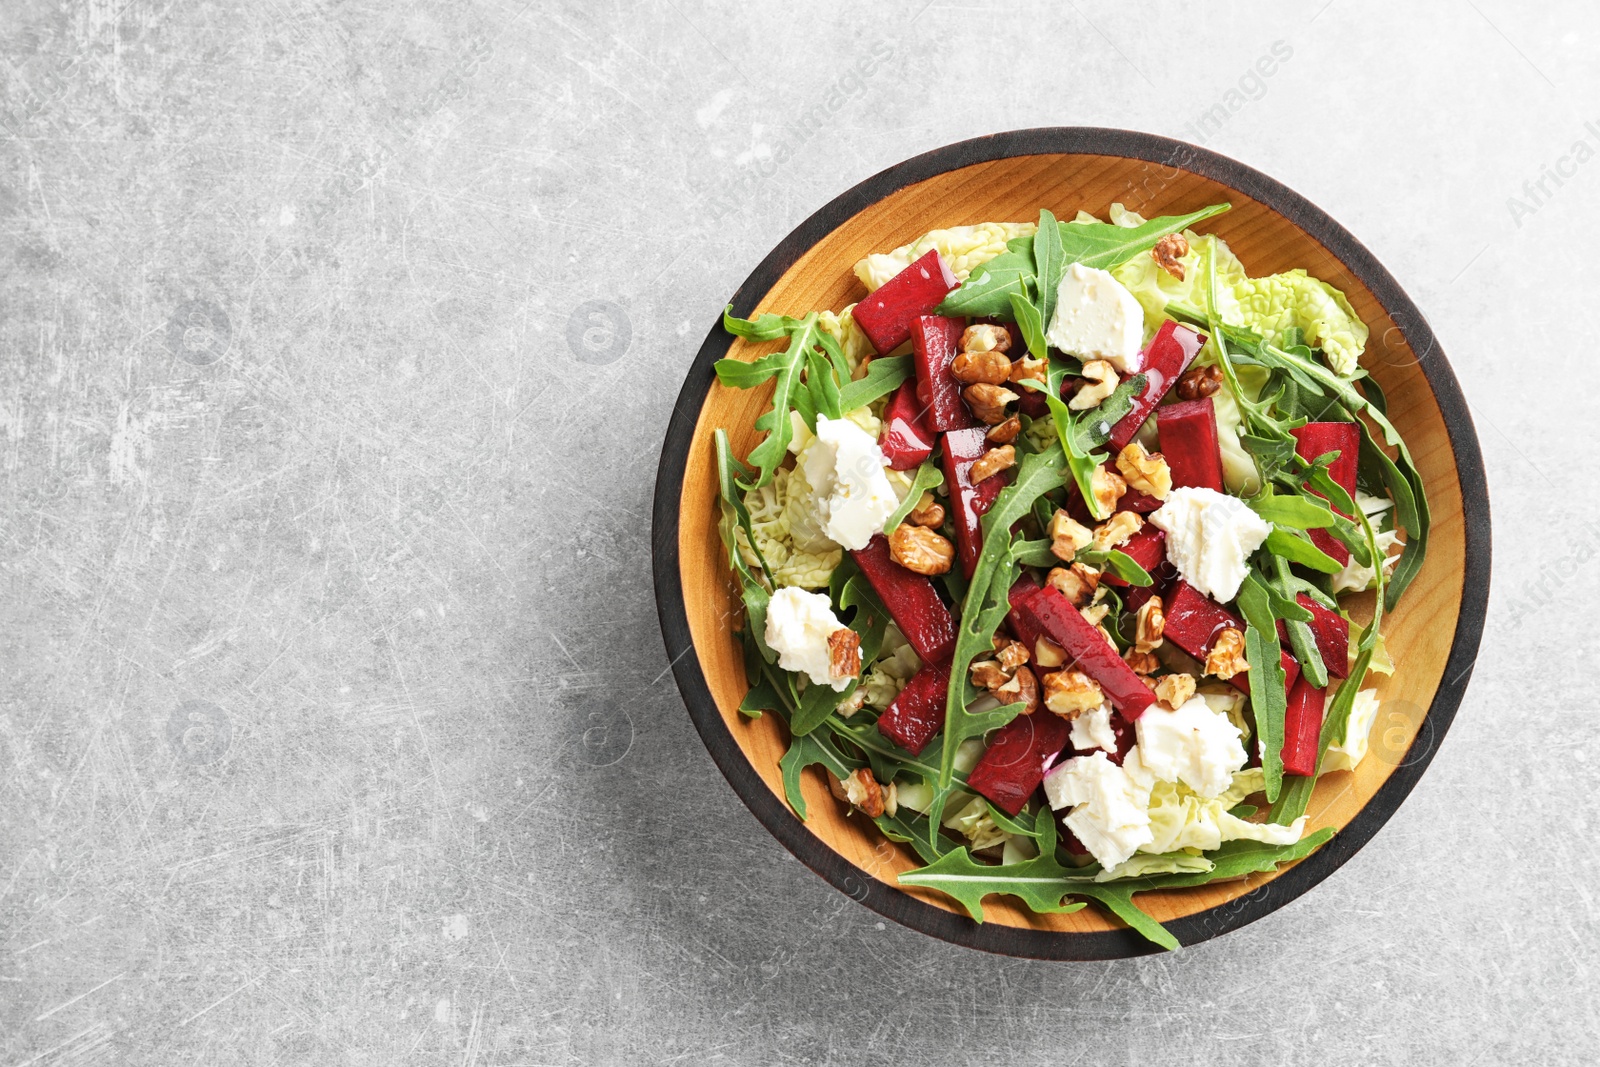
(845, 468)
(1108, 814)
(1193, 745)
(1348, 751)
(1210, 536)
(1097, 318)
(1092, 729)
(798, 625)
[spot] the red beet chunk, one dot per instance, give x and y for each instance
(1331, 632)
(1061, 622)
(1017, 759)
(913, 603)
(1193, 622)
(1318, 438)
(1189, 442)
(907, 438)
(914, 716)
(935, 344)
(968, 502)
(1165, 359)
(1132, 499)
(1302, 729)
(886, 315)
(1147, 548)
(1022, 627)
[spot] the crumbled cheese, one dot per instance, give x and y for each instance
(1097, 318)
(1092, 729)
(798, 625)
(1210, 536)
(1193, 745)
(1108, 814)
(1347, 753)
(853, 496)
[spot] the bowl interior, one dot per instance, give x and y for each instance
(1419, 634)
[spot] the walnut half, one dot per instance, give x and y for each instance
(1145, 471)
(844, 653)
(920, 550)
(1226, 657)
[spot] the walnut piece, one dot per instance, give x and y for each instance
(1067, 536)
(1005, 432)
(1168, 251)
(972, 367)
(988, 674)
(1070, 693)
(993, 462)
(863, 790)
(920, 550)
(1076, 583)
(928, 512)
(1198, 382)
(1010, 654)
(1226, 657)
(1145, 471)
(988, 402)
(1022, 688)
(1047, 654)
(1174, 689)
(1030, 369)
(1108, 488)
(1100, 380)
(844, 653)
(985, 337)
(1141, 662)
(1151, 622)
(1117, 529)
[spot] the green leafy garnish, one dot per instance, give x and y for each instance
(1267, 696)
(884, 375)
(928, 477)
(1040, 883)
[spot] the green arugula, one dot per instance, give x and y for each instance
(988, 291)
(806, 751)
(1267, 696)
(783, 369)
(754, 585)
(1049, 260)
(928, 477)
(1079, 435)
(1040, 883)
(1297, 548)
(884, 375)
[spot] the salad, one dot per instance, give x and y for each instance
(1047, 549)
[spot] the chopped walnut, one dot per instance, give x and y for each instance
(1198, 382)
(988, 402)
(1174, 690)
(1145, 471)
(1076, 583)
(988, 674)
(985, 337)
(1095, 614)
(1046, 653)
(920, 550)
(1100, 381)
(1150, 625)
(928, 512)
(1005, 432)
(844, 653)
(1108, 488)
(1168, 251)
(1117, 529)
(863, 790)
(1141, 662)
(971, 367)
(1070, 693)
(1067, 536)
(993, 462)
(1022, 688)
(1028, 369)
(1010, 654)
(851, 704)
(1226, 657)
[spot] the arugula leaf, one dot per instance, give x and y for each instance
(1040, 883)
(1297, 548)
(884, 375)
(768, 327)
(1048, 261)
(754, 587)
(806, 751)
(910, 828)
(783, 369)
(988, 291)
(928, 477)
(1029, 323)
(1267, 697)
(1280, 596)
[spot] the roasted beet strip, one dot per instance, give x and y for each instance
(914, 716)
(935, 344)
(1093, 654)
(1193, 622)
(1147, 548)
(907, 438)
(968, 502)
(1317, 438)
(1302, 729)
(1188, 432)
(912, 602)
(1165, 359)
(1016, 761)
(885, 316)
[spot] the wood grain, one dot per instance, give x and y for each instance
(1419, 634)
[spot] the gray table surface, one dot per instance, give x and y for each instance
(335, 724)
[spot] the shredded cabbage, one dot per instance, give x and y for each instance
(1180, 819)
(1348, 752)
(1139, 865)
(962, 247)
(784, 519)
(897, 661)
(851, 337)
(973, 821)
(1239, 472)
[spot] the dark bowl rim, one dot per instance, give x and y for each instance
(892, 902)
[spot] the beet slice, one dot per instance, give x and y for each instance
(1016, 761)
(1165, 359)
(913, 603)
(1316, 438)
(935, 344)
(1302, 729)
(917, 713)
(1188, 432)
(1193, 622)
(885, 315)
(907, 438)
(1087, 646)
(968, 502)
(1147, 548)
(1331, 632)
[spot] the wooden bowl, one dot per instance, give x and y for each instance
(1008, 177)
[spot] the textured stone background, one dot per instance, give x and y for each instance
(334, 725)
